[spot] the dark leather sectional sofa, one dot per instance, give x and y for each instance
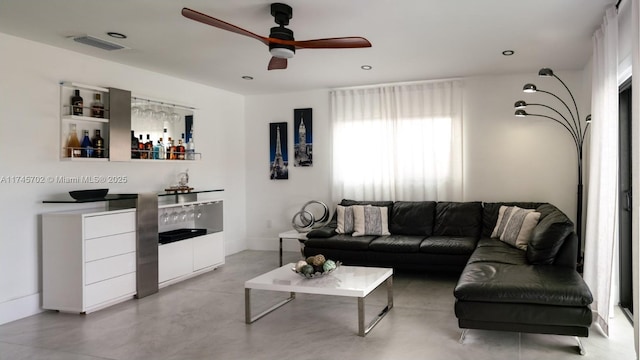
(500, 287)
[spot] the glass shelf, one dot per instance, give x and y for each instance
(67, 199)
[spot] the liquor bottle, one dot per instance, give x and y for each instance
(180, 150)
(97, 107)
(148, 146)
(76, 103)
(98, 145)
(167, 148)
(158, 150)
(87, 145)
(191, 147)
(135, 154)
(172, 151)
(142, 149)
(73, 144)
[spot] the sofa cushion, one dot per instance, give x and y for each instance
(412, 218)
(548, 236)
(387, 204)
(370, 220)
(528, 284)
(490, 213)
(396, 243)
(458, 219)
(455, 245)
(494, 250)
(340, 241)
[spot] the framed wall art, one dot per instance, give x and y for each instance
(303, 137)
(279, 159)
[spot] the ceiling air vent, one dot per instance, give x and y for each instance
(102, 44)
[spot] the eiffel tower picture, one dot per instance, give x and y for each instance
(279, 161)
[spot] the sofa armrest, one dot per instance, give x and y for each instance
(568, 254)
(323, 232)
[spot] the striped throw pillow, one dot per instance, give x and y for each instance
(515, 225)
(370, 220)
(345, 219)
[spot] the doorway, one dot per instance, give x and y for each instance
(625, 178)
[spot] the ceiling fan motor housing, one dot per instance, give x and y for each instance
(282, 13)
(280, 50)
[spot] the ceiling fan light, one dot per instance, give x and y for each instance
(283, 53)
(529, 88)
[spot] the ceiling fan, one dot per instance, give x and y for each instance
(282, 45)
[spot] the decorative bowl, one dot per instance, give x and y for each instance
(316, 273)
(89, 194)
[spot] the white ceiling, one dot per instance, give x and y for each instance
(412, 39)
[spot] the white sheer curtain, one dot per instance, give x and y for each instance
(635, 119)
(397, 142)
(602, 207)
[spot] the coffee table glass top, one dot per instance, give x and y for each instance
(354, 281)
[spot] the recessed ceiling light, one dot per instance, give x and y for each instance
(366, 67)
(508, 52)
(247, 77)
(117, 35)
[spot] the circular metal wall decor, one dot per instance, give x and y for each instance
(305, 220)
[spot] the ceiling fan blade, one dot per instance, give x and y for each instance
(330, 43)
(206, 19)
(277, 63)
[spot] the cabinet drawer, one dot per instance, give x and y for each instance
(104, 291)
(108, 268)
(109, 224)
(175, 260)
(108, 246)
(208, 250)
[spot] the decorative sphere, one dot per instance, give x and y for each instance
(318, 260)
(307, 269)
(300, 264)
(328, 265)
(310, 260)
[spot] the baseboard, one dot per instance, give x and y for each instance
(19, 308)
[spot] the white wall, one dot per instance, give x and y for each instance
(524, 159)
(30, 128)
(505, 158)
(272, 203)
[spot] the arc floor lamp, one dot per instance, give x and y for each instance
(569, 118)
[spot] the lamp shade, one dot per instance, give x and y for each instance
(545, 72)
(520, 104)
(281, 52)
(521, 113)
(529, 88)
(588, 118)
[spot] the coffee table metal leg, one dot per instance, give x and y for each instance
(362, 331)
(247, 306)
(280, 251)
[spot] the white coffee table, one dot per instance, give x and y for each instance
(351, 281)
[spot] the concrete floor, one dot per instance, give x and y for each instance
(203, 318)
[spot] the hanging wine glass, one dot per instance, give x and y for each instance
(174, 116)
(164, 218)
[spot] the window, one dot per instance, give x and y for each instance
(399, 142)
